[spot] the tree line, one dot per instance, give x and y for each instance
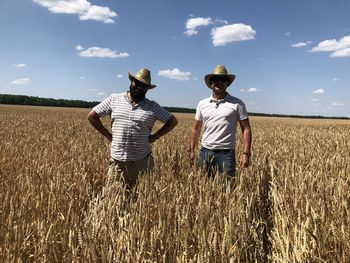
(38, 101)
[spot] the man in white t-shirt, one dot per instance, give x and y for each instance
(219, 115)
(132, 119)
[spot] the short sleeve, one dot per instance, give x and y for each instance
(242, 111)
(104, 107)
(198, 115)
(161, 114)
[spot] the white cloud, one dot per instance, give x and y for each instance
(340, 48)
(120, 76)
(100, 52)
(250, 90)
(23, 81)
(318, 91)
(193, 23)
(101, 93)
(99, 13)
(175, 74)
(232, 33)
(314, 100)
(336, 79)
(19, 65)
(221, 21)
(82, 77)
(83, 8)
(287, 34)
(302, 44)
(93, 89)
(338, 104)
(332, 44)
(79, 47)
(341, 53)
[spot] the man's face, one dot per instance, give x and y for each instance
(138, 90)
(219, 83)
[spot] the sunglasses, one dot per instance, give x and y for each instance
(219, 79)
(140, 84)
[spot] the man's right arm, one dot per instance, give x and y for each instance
(96, 122)
(196, 129)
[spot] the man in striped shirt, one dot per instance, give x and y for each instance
(219, 116)
(132, 119)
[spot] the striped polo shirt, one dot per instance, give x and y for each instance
(131, 125)
(219, 120)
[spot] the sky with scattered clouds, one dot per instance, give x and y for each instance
(289, 57)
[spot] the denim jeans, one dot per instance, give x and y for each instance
(213, 161)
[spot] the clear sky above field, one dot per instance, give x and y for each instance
(289, 57)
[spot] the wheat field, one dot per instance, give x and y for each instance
(291, 205)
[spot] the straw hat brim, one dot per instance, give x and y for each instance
(132, 76)
(231, 78)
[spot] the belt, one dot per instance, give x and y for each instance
(218, 150)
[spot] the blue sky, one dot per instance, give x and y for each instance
(289, 57)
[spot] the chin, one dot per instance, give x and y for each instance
(219, 89)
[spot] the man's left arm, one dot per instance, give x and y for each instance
(247, 141)
(167, 127)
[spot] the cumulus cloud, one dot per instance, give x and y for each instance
(23, 81)
(232, 33)
(318, 91)
(120, 76)
(19, 65)
(100, 52)
(175, 74)
(83, 8)
(339, 48)
(302, 44)
(250, 90)
(341, 53)
(193, 23)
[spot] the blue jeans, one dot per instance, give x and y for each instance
(213, 161)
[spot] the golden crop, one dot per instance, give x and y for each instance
(291, 205)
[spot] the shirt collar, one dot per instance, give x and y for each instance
(219, 101)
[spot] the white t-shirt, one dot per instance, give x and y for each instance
(219, 121)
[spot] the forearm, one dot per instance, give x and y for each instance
(97, 124)
(195, 132)
(247, 140)
(194, 140)
(167, 127)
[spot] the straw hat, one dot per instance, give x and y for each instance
(143, 75)
(219, 70)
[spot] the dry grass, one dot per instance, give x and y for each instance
(291, 205)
